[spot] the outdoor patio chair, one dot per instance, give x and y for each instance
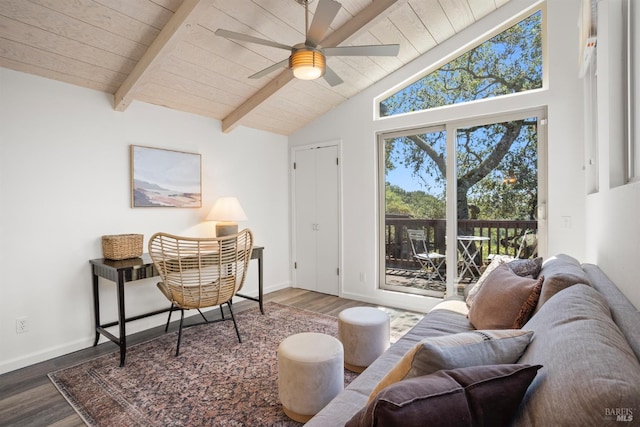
(430, 262)
(199, 273)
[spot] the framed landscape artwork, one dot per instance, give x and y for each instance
(165, 178)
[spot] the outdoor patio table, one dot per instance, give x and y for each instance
(469, 252)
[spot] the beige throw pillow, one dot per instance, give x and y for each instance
(495, 262)
(522, 267)
(488, 347)
(505, 301)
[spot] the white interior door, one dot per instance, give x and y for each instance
(305, 219)
(327, 219)
(316, 212)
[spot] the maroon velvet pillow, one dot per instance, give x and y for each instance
(478, 395)
(505, 301)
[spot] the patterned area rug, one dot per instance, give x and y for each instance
(214, 381)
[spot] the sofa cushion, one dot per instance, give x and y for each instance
(506, 300)
(521, 267)
(589, 368)
(478, 395)
(560, 272)
(457, 351)
(455, 305)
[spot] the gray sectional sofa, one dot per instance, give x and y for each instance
(586, 337)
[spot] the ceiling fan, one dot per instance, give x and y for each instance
(308, 59)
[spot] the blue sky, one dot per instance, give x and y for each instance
(402, 177)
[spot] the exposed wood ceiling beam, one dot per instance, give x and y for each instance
(366, 17)
(154, 54)
(234, 118)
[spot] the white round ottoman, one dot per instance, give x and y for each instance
(310, 373)
(365, 334)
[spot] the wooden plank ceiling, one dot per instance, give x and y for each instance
(165, 52)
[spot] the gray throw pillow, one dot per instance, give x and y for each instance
(526, 267)
(560, 272)
(488, 347)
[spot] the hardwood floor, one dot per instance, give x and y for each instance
(28, 398)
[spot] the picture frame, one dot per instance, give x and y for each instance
(165, 178)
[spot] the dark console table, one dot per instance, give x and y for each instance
(128, 270)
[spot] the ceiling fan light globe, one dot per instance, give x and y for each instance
(307, 72)
(307, 64)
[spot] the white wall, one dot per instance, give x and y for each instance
(353, 123)
(613, 228)
(64, 182)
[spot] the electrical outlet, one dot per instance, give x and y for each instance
(21, 325)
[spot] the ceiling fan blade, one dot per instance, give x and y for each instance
(245, 38)
(331, 77)
(270, 69)
(324, 16)
(375, 50)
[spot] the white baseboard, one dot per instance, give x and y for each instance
(80, 344)
(411, 302)
(45, 354)
(268, 289)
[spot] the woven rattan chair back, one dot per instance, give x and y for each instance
(201, 272)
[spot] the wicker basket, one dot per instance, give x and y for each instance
(122, 246)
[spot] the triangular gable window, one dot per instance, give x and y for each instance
(510, 62)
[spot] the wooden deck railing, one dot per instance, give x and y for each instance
(504, 237)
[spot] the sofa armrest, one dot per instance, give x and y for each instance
(626, 316)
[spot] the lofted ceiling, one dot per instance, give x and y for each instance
(165, 52)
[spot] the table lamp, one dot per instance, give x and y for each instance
(226, 211)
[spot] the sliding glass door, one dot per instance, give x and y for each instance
(454, 196)
(496, 192)
(413, 170)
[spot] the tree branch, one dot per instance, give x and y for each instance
(437, 158)
(492, 160)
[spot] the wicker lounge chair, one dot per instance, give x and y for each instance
(199, 273)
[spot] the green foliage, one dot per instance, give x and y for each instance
(395, 201)
(498, 199)
(487, 155)
(510, 62)
(417, 204)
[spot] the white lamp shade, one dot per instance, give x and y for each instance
(227, 209)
